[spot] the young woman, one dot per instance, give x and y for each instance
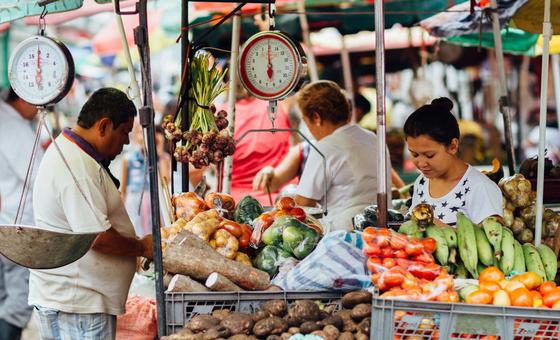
(447, 183)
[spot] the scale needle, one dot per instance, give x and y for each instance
(269, 71)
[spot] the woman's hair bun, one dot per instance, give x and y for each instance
(443, 102)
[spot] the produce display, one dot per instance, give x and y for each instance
(207, 140)
(522, 290)
(347, 319)
(520, 211)
(529, 168)
(369, 217)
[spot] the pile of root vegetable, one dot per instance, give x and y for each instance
(277, 320)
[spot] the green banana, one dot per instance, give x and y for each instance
(450, 236)
(533, 260)
(549, 260)
(452, 255)
(461, 271)
(480, 267)
(519, 262)
(483, 247)
(409, 227)
(466, 240)
(442, 250)
(508, 251)
(493, 230)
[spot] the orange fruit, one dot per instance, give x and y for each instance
(530, 280)
(547, 287)
(556, 305)
(550, 298)
(490, 287)
(453, 296)
(479, 297)
(513, 285)
(491, 274)
(501, 298)
(521, 297)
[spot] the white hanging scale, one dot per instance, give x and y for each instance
(41, 70)
(272, 65)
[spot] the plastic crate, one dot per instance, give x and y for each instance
(399, 319)
(181, 307)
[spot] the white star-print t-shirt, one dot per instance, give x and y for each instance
(475, 195)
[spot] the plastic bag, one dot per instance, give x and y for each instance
(270, 258)
(140, 320)
(337, 263)
(188, 205)
(369, 217)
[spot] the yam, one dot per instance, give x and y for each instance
(305, 310)
(331, 331)
(352, 299)
(217, 332)
(275, 307)
(238, 323)
(220, 283)
(334, 320)
(361, 311)
(202, 323)
(346, 336)
(270, 326)
(259, 315)
(183, 283)
(293, 330)
(309, 327)
(220, 314)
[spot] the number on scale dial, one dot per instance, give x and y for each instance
(271, 65)
(41, 70)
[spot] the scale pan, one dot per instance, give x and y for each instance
(42, 249)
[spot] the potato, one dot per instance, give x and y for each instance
(355, 298)
(309, 327)
(321, 334)
(361, 336)
(293, 330)
(274, 337)
(202, 323)
(292, 321)
(346, 336)
(349, 325)
(180, 336)
(216, 333)
(270, 326)
(241, 337)
(364, 326)
(238, 323)
(259, 315)
(361, 311)
(305, 310)
(220, 314)
(331, 331)
(275, 308)
(334, 320)
(330, 309)
(286, 336)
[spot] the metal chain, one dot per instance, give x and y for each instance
(42, 21)
(271, 14)
(272, 111)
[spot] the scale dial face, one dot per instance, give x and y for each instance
(41, 70)
(271, 65)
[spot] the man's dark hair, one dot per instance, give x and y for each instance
(434, 120)
(106, 103)
(12, 95)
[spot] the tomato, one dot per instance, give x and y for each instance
(413, 248)
(286, 203)
(245, 238)
(424, 257)
(428, 271)
(490, 287)
(550, 298)
(389, 263)
(372, 250)
(383, 236)
(491, 274)
(547, 287)
(429, 244)
(298, 213)
(392, 278)
(521, 297)
(387, 252)
(400, 254)
(537, 299)
(479, 297)
(530, 280)
(232, 227)
(398, 241)
(368, 235)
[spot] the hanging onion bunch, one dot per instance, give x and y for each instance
(207, 140)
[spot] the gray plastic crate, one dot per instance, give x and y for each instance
(181, 307)
(399, 319)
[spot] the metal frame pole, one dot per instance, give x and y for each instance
(185, 123)
(381, 110)
(547, 35)
(556, 81)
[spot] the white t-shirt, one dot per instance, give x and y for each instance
(475, 195)
(14, 161)
(96, 283)
(351, 178)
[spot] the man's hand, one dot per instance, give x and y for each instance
(148, 247)
(263, 178)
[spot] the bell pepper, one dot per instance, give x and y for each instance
(298, 213)
(232, 227)
(245, 238)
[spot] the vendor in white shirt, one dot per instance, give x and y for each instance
(446, 182)
(350, 154)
